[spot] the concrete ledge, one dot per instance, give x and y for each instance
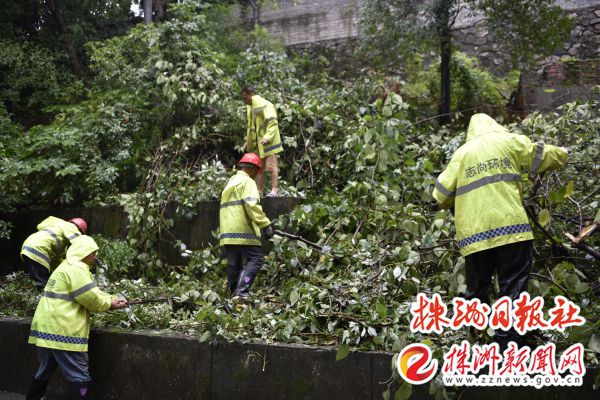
(155, 365)
(111, 222)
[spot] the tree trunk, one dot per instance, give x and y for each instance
(161, 10)
(445, 86)
(443, 19)
(76, 64)
(147, 12)
(254, 6)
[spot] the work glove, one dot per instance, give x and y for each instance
(267, 232)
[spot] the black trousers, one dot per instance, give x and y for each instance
(38, 273)
(512, 262)
(240, 277)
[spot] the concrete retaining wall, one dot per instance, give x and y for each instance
(157, 366)
(154, 365)
(112, 222)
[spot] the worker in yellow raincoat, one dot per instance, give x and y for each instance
(61, 325)
(44, 250)
(482, 183)
(262, 137)
(242, 223)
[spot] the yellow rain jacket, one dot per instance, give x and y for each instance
(241, 217)
(62, 317)
(483, 184)
(262, 124)
(48, 245)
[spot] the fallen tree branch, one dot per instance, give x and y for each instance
(552, 281)
(584, 234)
(301, 239)
(540, 227)
(589, 250)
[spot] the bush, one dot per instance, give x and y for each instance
(472, 87)
(116, 259)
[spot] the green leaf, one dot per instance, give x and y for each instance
(294, 296)
(342, 352)
(404, 392)
(205, 336)
(411, 226)
(581, 333)
(594, 343)
(569, 189)
(428, 166)
(381, 310)
(386, 395)
(544, 217)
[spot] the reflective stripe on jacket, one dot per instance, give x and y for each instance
(262, 124)
(62, 316)
(483, 183)
(241, 217)
(49, 244)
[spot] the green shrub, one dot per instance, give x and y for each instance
(117, 259)
(472, 86)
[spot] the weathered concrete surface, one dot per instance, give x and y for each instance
(112, 222)
(11, 396)
(259, 371)
(156, 365)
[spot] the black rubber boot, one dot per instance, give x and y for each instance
(36, 389)
(79, 390)
(244, 283)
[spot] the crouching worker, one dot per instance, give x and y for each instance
(61, 324)
(241, 221)
(44, 250)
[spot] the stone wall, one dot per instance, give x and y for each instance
(332, 26)
(299, 22)
(558, 83)
(583, 43)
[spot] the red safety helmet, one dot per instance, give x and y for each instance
(252, 158)
(80, 223)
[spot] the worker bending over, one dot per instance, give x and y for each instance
(44, 250)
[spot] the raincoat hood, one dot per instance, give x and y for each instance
(481, 124)
(80, 248)
(48, 222)
(258, 101)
